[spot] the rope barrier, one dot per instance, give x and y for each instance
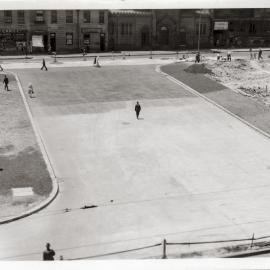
(114, 253)
(218, 241)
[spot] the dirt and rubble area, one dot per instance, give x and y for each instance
(248, 77)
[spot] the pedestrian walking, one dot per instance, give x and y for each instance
(1, 68)
(260, 54)
(229, 56)
(48, 254)
(137, 109)
(251, 54)
(6, 82)
(96, 61)
(218, 57)
(30, 90)
(197, 57)
(44, 65)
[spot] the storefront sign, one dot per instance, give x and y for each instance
(6, 31)
(221, 26)
(37, 41)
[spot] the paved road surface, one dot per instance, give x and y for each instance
(186, 171)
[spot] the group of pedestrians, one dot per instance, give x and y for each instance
(227, 58)
(253, 55)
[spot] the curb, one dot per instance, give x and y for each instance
(249, 253)
(46, 158)
(196, 93)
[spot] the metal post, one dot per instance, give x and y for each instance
(252, 239)
(164, 255)
(199, 36)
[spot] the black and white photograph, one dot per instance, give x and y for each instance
(135, 130)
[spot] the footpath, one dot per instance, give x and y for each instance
(127, 54)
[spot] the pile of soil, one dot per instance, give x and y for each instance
(248, 77)
(198, 69)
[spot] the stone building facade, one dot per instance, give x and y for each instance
(158, 29)
(177, 29)
(129, 30)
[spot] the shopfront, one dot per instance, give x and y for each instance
(93, 39)
(13, 40)
(39, 41)
(221, 35)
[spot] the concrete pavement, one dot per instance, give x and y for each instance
(187, 171)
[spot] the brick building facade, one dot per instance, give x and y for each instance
(59, 30)
(241, 27)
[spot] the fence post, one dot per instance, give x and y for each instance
(252, 239)
(164, 255)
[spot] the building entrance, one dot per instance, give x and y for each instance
(164, 36)
(102, 42)
(53, 42)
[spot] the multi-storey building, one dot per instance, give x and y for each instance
(241, 27)
(24, 31)
(55, 30)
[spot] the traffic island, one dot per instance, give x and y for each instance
(25, 182)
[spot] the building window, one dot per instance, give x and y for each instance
(20, 17)
(39, 16)
(111, 28)
(86, 39)
(69, 38)
(69, 16)
(7, 16)
(54, 16)
(86, 16)
(126, 29)
(101, 16)
(252, 28)
(202, 30)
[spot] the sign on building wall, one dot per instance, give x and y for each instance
(221, 26)
(37, 41)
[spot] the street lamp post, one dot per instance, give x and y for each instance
(200, 12)
(199, 32)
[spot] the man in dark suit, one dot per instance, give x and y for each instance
(137, 109)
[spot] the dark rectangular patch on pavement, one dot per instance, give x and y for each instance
(196, 81)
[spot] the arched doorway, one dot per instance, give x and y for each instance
(164, 35)
(145, 37)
